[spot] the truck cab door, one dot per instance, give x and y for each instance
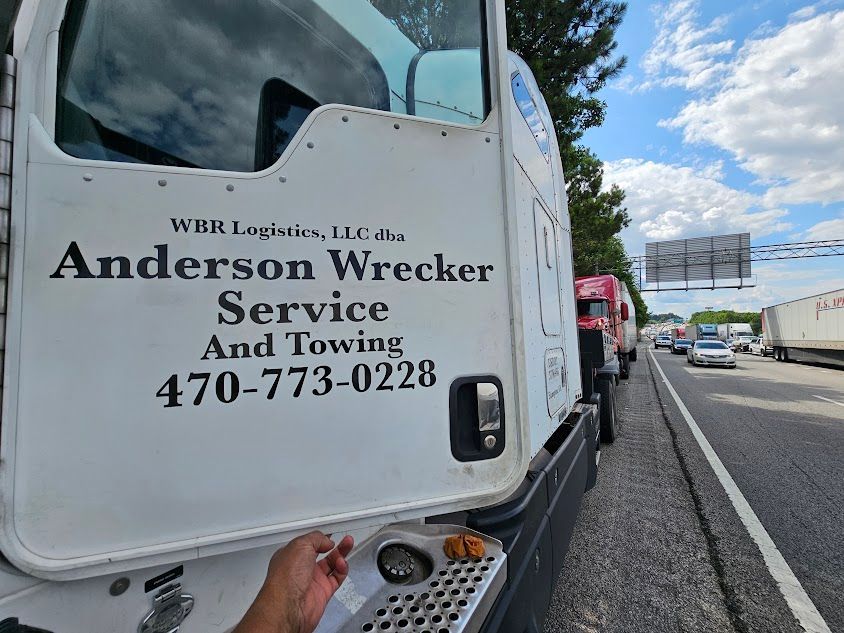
(204, 357)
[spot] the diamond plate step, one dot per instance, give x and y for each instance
(455, 598)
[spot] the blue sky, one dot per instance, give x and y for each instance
(728, 118)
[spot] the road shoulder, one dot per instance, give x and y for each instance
(639, 559)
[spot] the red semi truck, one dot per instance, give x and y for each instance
(601, 306)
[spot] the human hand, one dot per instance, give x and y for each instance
(298, 588)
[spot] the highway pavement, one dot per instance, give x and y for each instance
(659, 545)
(779, 430)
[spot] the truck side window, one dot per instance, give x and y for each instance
(527, 106)
(217, 84)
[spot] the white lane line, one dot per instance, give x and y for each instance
(800, 604)
(828, 400)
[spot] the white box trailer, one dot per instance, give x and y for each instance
(275, 267)
(629, 328)
(733, 330)
(807, 330)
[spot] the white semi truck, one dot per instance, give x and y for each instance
(807, 330)
(275, 266)
(733, 330)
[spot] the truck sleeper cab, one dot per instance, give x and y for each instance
(211, 365)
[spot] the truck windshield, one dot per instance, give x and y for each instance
(592, 308)
(226, 85)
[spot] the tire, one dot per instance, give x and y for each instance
(609, 419)
(634, 354)
(625, 366)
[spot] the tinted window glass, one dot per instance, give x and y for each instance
(226, 85)
(529, 111)
(592, 308)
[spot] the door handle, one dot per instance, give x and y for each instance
(476, 411)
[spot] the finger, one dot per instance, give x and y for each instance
(341, 571)
(317, 541)
(346, 545)
(329, 564)
(341, 568)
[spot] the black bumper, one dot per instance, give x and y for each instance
(536, 525)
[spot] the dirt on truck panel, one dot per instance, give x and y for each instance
(657, 546)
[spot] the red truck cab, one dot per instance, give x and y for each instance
(600, 307)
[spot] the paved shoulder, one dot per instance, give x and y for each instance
(658, 546)
(638, 559)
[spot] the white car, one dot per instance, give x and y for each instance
(663, 340)
(712, 353)
(757, 346)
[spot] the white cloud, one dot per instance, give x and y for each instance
(827, 230)
(803, 14)
(780, 111)
(669, 202)
(683, 53)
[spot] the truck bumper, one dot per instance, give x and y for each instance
(536, 523)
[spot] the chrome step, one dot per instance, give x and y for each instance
(455, 597)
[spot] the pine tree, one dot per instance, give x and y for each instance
(570, 47)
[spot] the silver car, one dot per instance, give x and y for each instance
(712, 353)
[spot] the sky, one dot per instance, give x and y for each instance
(729, 118)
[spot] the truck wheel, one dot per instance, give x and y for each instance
(609, 422)
(625, 366)
(634, 354)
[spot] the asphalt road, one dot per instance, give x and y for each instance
(658, 545)
(779, 430)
